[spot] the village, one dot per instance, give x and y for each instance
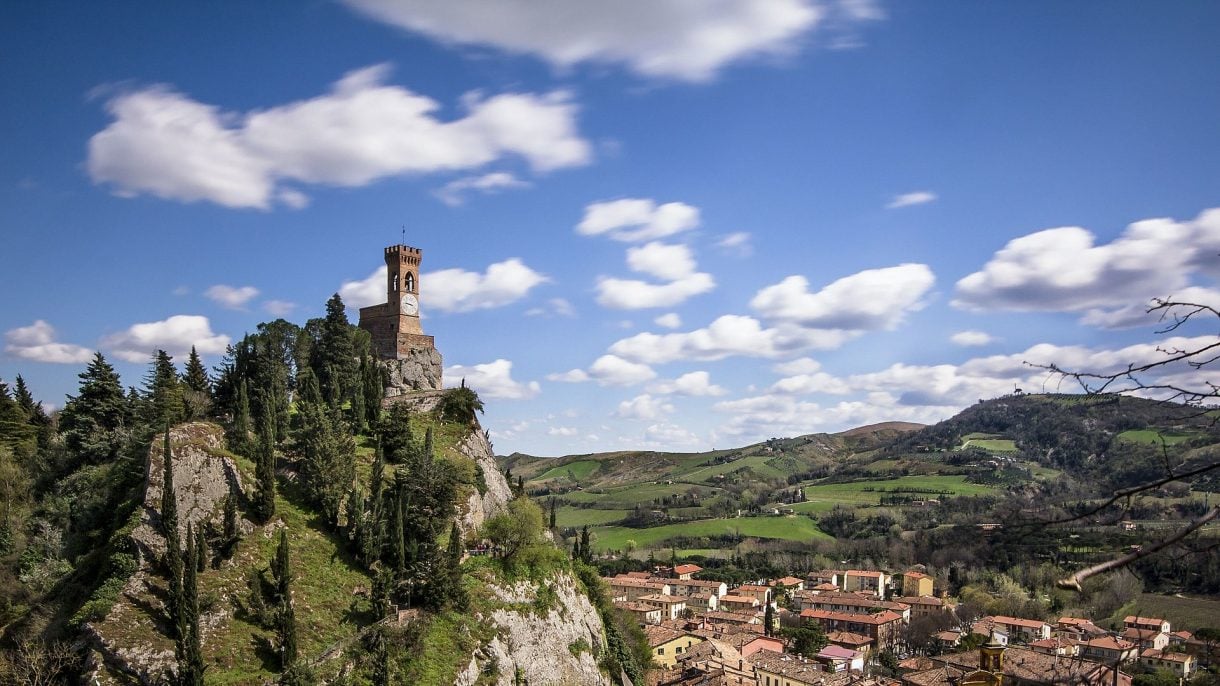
(702, 632)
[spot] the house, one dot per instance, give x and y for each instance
(1017, 667)
(1146, 639)
(1065, 647)
(642, 612)
(947, 640)
(839, 659)
(1180, 664)
(1019, 629)
(850, 640)
(925, 606)
(850, 602)
(693, 586)
(1078, 628)
(787, 670)
(714, 663)
(749, 643)
(826, 576)
(668, 644)
(866, 581)
(738, 603)
(723, 617)
(1153, 623)
(883, 627)
(1109, 650)
(760, 593)
(671, 606)
(791, 583)
(628, 588)
(703, 602)
(686, 572)
(916, 584)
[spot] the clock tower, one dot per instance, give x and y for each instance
(394, 324)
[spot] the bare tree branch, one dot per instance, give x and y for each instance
(1073, 581)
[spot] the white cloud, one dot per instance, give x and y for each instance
(644, 407)
(36, 342)
(453, 193)
(562, 431)
(558, 307)
(453, 290)
(491, 380)
(657, 38)
(765, 416)
(163, 143)
(608, 370)
(736, 244)
(1064, 269)
(665, 261)
(801, 365)
(815, 382)
(365, 292)
(632, 294)
(726, 336)
(232, 297)
(279, 308)
(972, 338)
(694, 383)
(669, 320)
(570, 376)
(457, 290)
(867, 300)
(665, 436)
(637, 219)
(175, 335)
(908, 199)
(670, 262)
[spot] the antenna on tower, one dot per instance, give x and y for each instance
(404, 234)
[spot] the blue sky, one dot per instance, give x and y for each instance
(654, 224)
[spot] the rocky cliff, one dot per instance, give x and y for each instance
(420, 370)
(555, 647)
(478, 507)
(129, 644)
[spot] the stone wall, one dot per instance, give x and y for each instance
(419, 370)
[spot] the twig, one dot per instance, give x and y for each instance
(1073, 581)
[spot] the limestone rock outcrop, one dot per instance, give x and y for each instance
(420, 370)
(478, 508)
(557, 648)
(203, 476)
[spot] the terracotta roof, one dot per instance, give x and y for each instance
(835, 652)
(1028, 666)
(634, 583)
(825, 586)
(687, 569)
(1074, 621)
(790, 581)
(1109, 643)
(662, 598)
(1169, 657)
(752, 587)
(635, 606)
(1135, 634)
(916, 575)
(884, 617)
(916, 663)
(658, 635)
(848, 638)
(1018, 621)
(919, 600)
(1133, 619)
(864, 572)
(738, 599)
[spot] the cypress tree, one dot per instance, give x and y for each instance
(287, 617)
(355, 518)
(190, 650)
(281, 567)
(201, 549)
(769, 620)
(586, 550)
(173, 545)
(265, 470)
(398, 534)
(454, 593)
(552, 512)
(241, 419)
(230, 519)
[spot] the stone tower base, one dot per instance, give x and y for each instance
(418, 370)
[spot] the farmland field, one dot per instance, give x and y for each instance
(577, 516)
(797, 528)
(1154, 437)
(1182, 613)
(574, 470)
(870, 492)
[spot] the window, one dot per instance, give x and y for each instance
(660, 651)
(410, 282)
(394, 285)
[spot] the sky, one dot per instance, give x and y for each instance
(646, 224)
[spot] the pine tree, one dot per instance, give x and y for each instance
(163, 400)
(265, 471)
(92, 421)
(553, 513)
(173, 545)
(395, 434)
(198, 392)
(334, 355)
(372, 376)
(327, 450)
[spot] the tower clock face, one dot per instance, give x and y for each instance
(409, 304)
